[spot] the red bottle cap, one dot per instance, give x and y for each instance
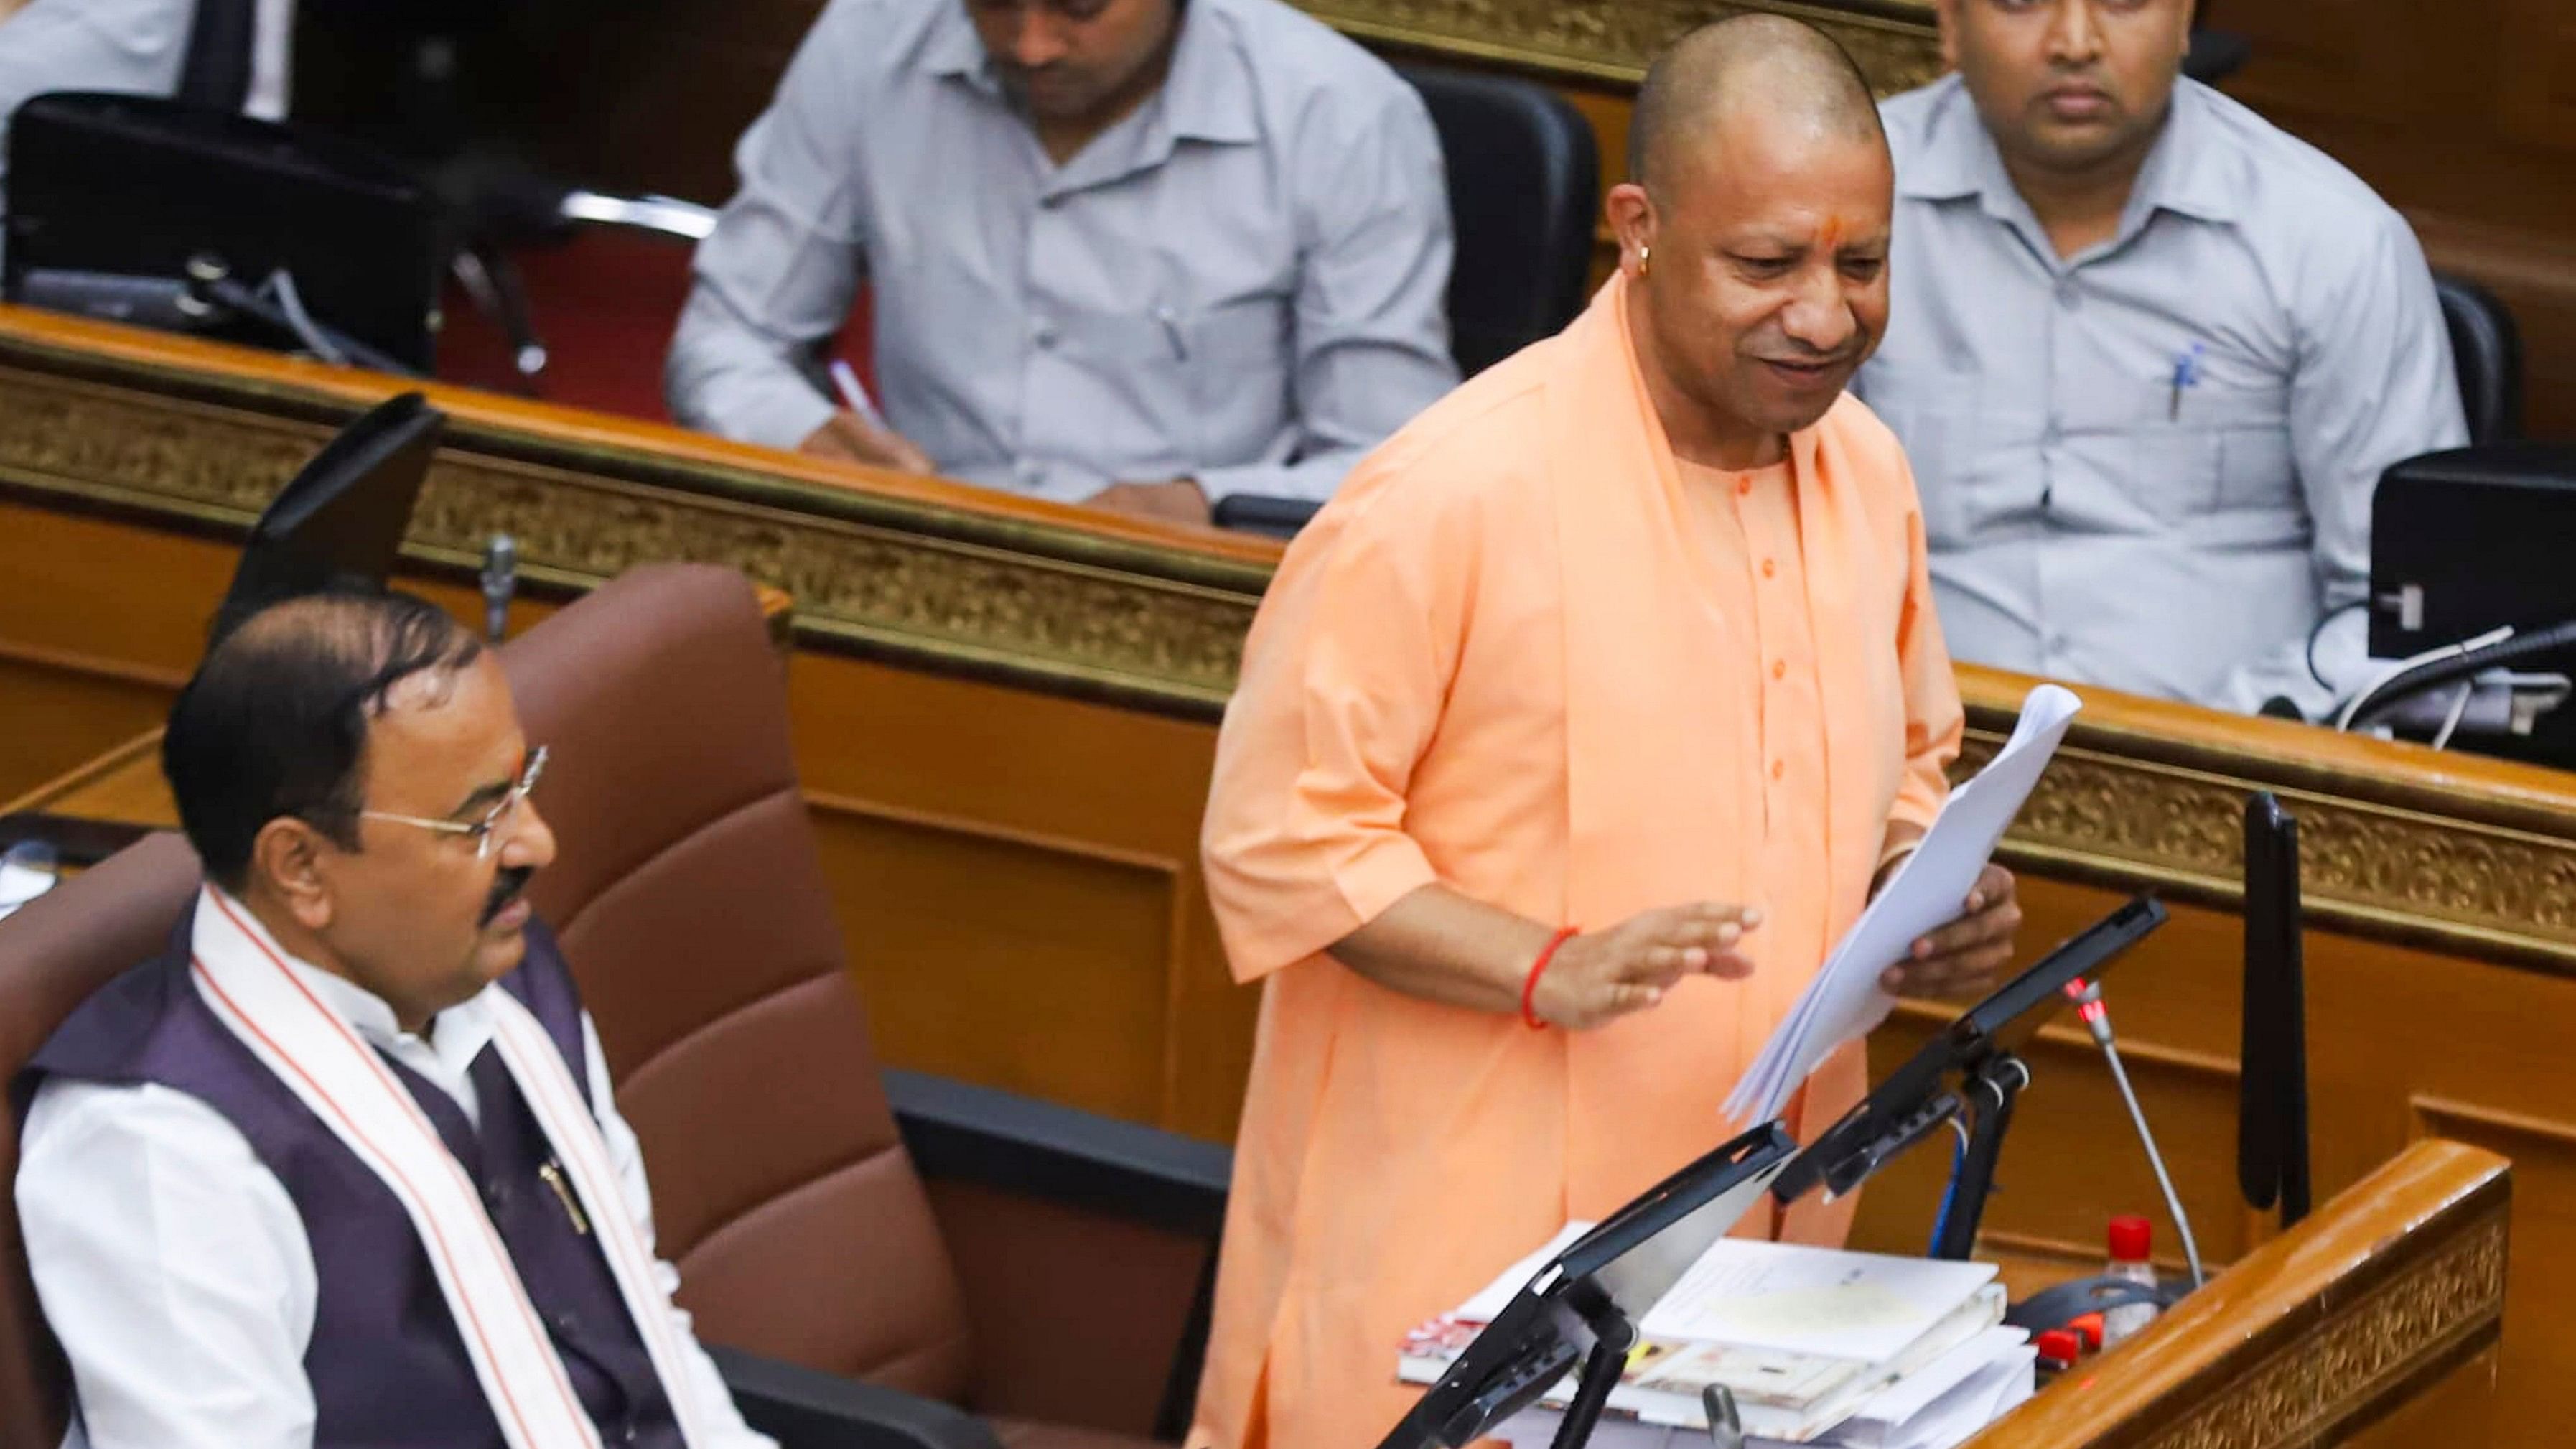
(2089, 1328)
(2060, 1345)
(2132, 1240)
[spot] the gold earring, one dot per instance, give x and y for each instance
(1645, 259)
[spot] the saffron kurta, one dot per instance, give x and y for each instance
(1528, 654)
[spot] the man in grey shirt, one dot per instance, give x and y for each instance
(137, 46)
(1138, 253)
(2149, 356)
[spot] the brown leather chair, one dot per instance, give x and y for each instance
(874, 1258)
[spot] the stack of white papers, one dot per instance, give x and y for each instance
(1942, 1407)
(1844, 1001)
(1818, 1346)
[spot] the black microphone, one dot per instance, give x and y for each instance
(500, 582)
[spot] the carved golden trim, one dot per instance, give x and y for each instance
(1004, 598)
(2376, 869)
(1612, 40)
(1065, 609)
(2321, 1383)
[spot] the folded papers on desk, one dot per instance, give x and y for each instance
(1819, 1346)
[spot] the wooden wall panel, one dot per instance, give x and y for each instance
(54, 711)
(1049, 788)
(2543, 1151)
(1004, 960)
(2459, 114)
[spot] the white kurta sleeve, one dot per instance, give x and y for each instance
(172, 1267)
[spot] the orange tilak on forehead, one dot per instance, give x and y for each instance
(1829, 237)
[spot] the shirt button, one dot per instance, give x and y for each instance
(2069, 296)
(1779, 669)
(2054, 435)
(1029, 474)
(1043, 334)
(1769, 567)
(1779, 769)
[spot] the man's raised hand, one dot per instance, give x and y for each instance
(1601, 975)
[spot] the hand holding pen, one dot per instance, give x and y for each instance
(858, 433)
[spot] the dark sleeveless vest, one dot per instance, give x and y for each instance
(387, 1366)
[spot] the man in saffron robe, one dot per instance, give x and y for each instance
(1632, 633)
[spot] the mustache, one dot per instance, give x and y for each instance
(506, 887)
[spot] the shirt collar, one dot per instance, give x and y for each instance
(2183, 173)
(455, 1035)
(1206, 96)
(2187, 172)
(951, 48)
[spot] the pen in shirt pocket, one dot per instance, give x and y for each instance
(552, 1174)
(2186, 373)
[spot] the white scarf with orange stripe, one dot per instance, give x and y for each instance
(243, 975)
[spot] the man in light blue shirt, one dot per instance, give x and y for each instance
(1138, 253)
(2149, 356)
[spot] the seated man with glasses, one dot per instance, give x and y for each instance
(342, 1165)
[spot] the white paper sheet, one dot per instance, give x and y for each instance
(1789, 1298)
(1995, 1387)
(1844, 1001)
(1895, 1408)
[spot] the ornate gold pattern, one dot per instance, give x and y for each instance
(1614, 39)
(1061, 609)
(2377, 869)
(1015, 612)
(2312, 1385)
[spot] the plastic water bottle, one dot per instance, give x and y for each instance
(2132, 1240)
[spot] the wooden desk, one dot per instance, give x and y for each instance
(1005, 715)
(2386, 1305)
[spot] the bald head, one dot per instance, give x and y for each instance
(1768, 69)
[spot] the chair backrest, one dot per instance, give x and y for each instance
(53, 954)
(1524, 184)
(690, 898)
(2486, 347)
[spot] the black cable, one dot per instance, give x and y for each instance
(2401, 687)
(245, 300)
(2319, 632)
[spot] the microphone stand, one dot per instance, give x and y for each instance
(1986, 1098)
(500, 584)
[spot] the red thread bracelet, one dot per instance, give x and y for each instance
(1529, 988)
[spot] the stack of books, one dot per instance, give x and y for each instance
(1818, 1346)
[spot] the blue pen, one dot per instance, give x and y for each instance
(2186, 373)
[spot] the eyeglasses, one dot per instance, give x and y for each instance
(487, 829)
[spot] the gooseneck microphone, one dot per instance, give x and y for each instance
(2087, 996)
